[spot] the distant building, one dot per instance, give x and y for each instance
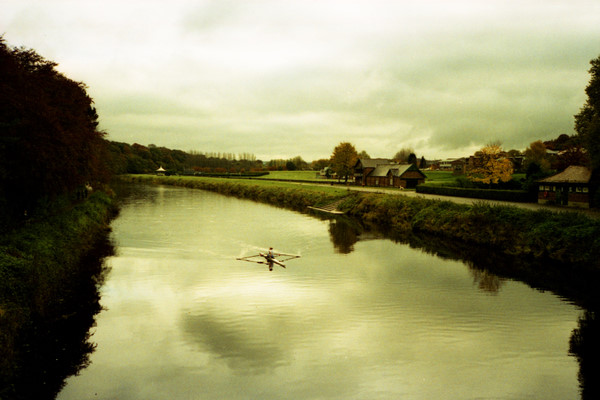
(364, 166)
(326, 173)
(570, 188)
(160, 171)
(459, 166)
(456, 165)
(387, 173)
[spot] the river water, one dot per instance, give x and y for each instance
(356, 317)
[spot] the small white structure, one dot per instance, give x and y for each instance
(160, 171)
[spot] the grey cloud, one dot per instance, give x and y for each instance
(231, 76)
(210, 15)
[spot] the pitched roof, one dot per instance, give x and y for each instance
(573, 174)
(373, 162)
(397, 169)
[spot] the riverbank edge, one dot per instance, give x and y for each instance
(566, 237)
(38, 260)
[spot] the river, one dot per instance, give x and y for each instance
(358, 316)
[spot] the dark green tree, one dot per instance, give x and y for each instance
(587, 126)
(412, 159)
(402, 155)
(587, 121)
(49, 142)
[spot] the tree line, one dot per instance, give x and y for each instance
(139, 159)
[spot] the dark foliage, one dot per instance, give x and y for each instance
(49, 142)
(478, 193)
(139, 159)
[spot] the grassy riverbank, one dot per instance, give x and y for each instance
(565, 237)
(41, 270)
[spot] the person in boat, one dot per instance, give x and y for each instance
(270, 254)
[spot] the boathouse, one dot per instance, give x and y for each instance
(364, 167)
(386, 173)
(570, 188)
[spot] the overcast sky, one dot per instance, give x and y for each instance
(279, 78)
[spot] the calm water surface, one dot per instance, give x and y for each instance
(370, 320)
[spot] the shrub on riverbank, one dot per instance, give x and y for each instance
(476, 193)
(38, 255)
(566, 236)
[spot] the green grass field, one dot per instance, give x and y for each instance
(295, 175)
(333, 190)
(439, 177)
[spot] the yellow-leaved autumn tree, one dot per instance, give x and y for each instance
(491, 166)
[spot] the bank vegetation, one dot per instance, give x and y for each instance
(567, 237)
(50, 272)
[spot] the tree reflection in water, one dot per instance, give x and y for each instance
(42, 345)
(490, 269)
(584, 346)
(343, 235)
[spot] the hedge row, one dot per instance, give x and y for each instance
(520, 196)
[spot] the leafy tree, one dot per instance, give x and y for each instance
(536, 154)
(343, 159)
(402, 155)
(412, 159)
(299, 163)
(570, 152)
(587, 125)
(422, 163)
(318, 165)
(587, 121)
(363, 154)
(49, 142)
(492, 166)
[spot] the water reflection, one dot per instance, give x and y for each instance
(585, 346)
(579, 288)
(343, 235)
(249, 351)
(41, 347)
(345, 232)
(353, 318)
